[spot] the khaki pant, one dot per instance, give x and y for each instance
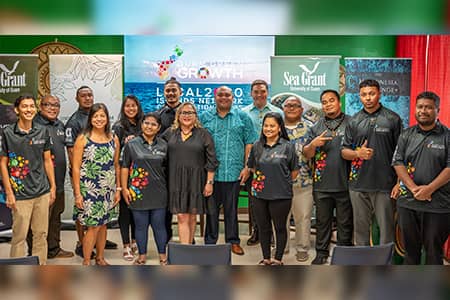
(35, 212)
(302, 205)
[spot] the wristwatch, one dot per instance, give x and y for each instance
(210, 182)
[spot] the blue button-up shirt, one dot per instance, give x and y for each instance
(231, 134)
(257, 114)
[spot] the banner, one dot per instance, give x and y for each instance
(394, 76)
(199, 63)
(18, 76)
(102, 73)
(305, 77)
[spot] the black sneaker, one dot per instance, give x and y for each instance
(253, 240)
(319, 260)
(79, 251)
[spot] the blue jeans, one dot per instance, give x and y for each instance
(155, 217)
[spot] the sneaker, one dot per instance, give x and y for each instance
(62, 254)
(128, 254)
(319, 260)
(253, 240)
(302, 256)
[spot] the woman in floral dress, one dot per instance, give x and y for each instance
(96, 180)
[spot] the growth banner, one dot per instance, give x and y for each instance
(18, 76)
(394, 76)
(199, 63)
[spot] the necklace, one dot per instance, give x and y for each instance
(184, 135)
(339, 120)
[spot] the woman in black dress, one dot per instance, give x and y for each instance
(192, 163)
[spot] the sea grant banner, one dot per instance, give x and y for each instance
(394, 76)
(102, 73)
(18, 76)
(305, 77)
(199, 63)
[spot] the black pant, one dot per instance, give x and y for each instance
(54, 226)
(325, 203)
(266, 212)
(168, 221)
(225, 194)
(125, 221)
(423, 229)
(251, 205)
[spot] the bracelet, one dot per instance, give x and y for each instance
(118, 189)
(78, 196)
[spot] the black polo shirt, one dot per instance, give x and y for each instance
(75, 125)
(273, 166)
(56, 131)
(25, 152)
(124, 129)
(425, 154)
(381, 130)
(167, 115)
(331, 171)
(147, 181)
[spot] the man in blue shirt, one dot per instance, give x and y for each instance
(233, 134)
(257, 110)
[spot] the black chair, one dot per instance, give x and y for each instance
(204, 255)
(362, 255)
(27, 260)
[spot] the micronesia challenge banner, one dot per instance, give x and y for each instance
(18, 76)
(394, 76)
(199, 63)
(305, 77)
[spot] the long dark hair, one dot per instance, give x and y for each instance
(279, 119)
(95, 108)
(123, 119)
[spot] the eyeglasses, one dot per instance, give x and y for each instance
(52, 105)
(188, 113)
(153, 124)
(293, 106)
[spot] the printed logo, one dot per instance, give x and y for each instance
(8, 80)
(432, 145)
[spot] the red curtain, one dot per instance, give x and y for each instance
(430, 68)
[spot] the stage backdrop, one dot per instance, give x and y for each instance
(18, 76)
(102, 73)
(200, 63)
(394, 76)
(305, 77)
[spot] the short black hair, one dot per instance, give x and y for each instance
(258, 82)
(82, 87)
(330, 91)
(369, 83)
(430, 95)
(172, 80)
(23, 97)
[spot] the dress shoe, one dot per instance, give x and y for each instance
(110, 245)
(62, 254)
(253, 240)
(302, 256)
(237, 249)
(319, 260)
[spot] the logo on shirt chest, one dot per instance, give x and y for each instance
(36, 141)
(277, 155)
(60, 132)
(381, 129)
(432, 145)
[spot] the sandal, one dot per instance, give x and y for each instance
(264, 262)
(101, 262)
(134, 249)
(163, 262)
(138, 262)
(128, 254)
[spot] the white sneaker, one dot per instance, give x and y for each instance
(128, 254)
(134, 249)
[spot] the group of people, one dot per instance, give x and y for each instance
(177, 161)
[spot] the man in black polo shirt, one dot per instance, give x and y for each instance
(28, 178)
(74, 126)
(330, 176)
(49, 109)
(369, 143)
(172, 93)
(422, 163)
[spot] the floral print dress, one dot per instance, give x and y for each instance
(97, 183)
